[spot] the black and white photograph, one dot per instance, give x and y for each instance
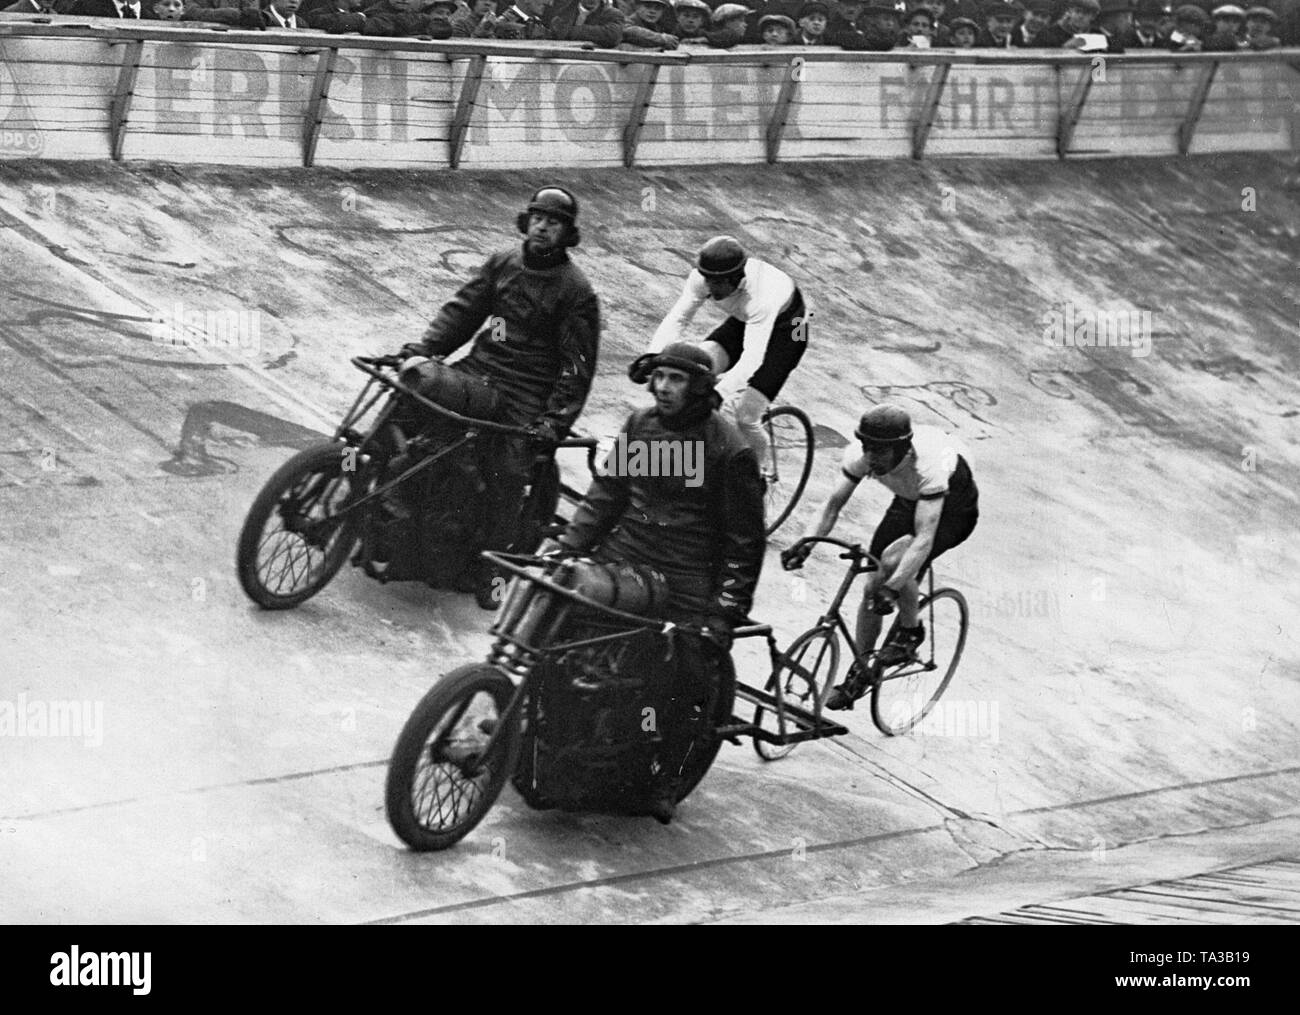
(632, 462)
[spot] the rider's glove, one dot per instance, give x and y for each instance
(543, 437)
(883, 601)
(639, 370)
(718, 631)
(793, 558)
(413, 349)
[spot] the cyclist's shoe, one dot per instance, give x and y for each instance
(487, 726)
(901, 648)
(855, 685)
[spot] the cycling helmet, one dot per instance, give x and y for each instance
(720, 257)
(884, 424)
(557, 201)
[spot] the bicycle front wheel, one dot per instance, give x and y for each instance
(789, 462)
(906, 694)
(803, 677)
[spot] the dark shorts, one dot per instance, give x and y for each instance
(784, 350)
(956, 521)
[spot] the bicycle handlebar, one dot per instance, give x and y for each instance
(367, 365)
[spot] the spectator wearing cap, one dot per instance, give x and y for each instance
(1029, 33)
(1226, 35)
(777, 30)
(692, 22)
(1076, 20)
(919, 24)
(964, 33)
(1000, 20)
(761, 9)
(644, 29)
(1190, 23)
(334, 16)
(813, 18)
(1145, 33)
(439, 13)
(728, 25)
(596, 21)
(1260, 22)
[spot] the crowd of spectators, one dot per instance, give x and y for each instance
(1110, 25)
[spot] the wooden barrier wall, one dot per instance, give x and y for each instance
(94, 90)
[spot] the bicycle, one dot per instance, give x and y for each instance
(789, 461)
(810, 664)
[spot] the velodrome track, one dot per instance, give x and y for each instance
(1129, 697)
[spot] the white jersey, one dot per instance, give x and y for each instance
(924, 472)
(759, 299)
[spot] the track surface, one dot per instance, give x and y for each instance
(1131, 679)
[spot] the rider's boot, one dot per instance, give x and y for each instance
(902, 646)
(855, 685)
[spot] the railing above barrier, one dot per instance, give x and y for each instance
(81, 89)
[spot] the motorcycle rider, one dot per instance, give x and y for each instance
(701, 528)
(535, 323)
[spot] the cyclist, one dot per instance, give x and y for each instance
(935, 507)
(757, 346)
(535, 322)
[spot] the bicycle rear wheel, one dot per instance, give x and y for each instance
(906, 694)
(789, 463)
(805, 676)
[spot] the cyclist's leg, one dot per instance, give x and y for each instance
(745, 408)
(892, 537)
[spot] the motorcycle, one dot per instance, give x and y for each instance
(397, 487)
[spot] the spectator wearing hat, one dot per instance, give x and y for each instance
(1260, 22)
(813, 18)
(596, 21)
(729, 24)
(644, 29)
(1000, 20)
(1076, 20)
(1145, 33)
(334, 16)
(1227, 34)
(692, 22)
(1029, 33)
(918, 24)
(964, 33)
(777, 30)
(1190, 23)
(760, 9)
(439, 13)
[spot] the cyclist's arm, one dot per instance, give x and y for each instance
(606, 500)
(578, 343)
(673, 327)
(462, 315)
(926, 524)
(830, 513)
